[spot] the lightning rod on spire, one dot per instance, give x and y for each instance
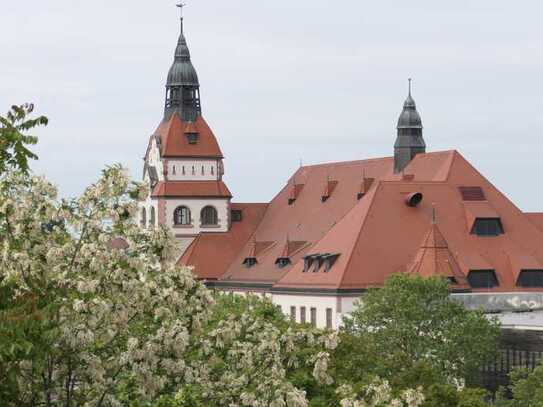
(409, 81)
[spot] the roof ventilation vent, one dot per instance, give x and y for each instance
(413, 199)
(472, 193)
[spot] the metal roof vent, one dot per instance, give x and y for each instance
(413, 199)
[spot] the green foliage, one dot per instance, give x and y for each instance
(13, 140)
(412, 332)
(526, 388)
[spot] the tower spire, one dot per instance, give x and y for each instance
(182, 86)
(409, 141)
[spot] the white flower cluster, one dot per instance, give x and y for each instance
(113, 316)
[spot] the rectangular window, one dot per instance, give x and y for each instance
(530, 278)
(482, 279)
(293, 314)
(313, 316)
(237, 215)
(487, 227)
(329, 318)
(302, 315)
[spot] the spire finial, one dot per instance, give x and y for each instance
(181, 6)
(409, 80)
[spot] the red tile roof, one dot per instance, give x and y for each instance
(379, 234)
(174, 142)
(435, 259)
(193, 189)
(211, 253)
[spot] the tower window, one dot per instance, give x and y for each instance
(212, 171)
(487, 227)
(209, 216)
(143, 217)
(183, 170)
(482, 279)
(313, 315)
(152, 219)
(203, 171)
(193, 170)
(329, 318)
(192, 138)
(173, 170)
(181, 216)
(237, 215)
(530, 278)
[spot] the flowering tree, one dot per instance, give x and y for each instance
(94, 311)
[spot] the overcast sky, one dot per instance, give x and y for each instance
(281, 81)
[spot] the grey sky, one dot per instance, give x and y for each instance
(281, 81)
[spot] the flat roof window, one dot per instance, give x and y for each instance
(487, 227)
(482, 279)
(530, 278)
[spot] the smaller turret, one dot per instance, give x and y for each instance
(409, 141)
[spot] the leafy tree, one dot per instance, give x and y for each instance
(526, 389)
(13, 142)
(94, 311)
(412, 333)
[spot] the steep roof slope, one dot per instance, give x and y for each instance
(211, 253)
(175, 143)
(309, 217)
(387, 232)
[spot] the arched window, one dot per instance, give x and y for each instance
(143, 218)
(183, 170)
(193, 172)
(181, 216)
(209, 216)
(202, 170)
(173, 170)
(152, 219)
(212, 171)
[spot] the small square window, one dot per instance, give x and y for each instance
(237, 215)
(192, 138)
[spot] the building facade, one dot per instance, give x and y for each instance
(336, 229)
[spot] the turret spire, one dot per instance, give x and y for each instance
(409, 141)
(182, 86)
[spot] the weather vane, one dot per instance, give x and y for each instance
(181, 5)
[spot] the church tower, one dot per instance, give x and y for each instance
(409, 141)
(183, 162)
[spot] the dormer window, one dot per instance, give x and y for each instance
(282, 262)
(249, 262)
(487, 227)
(530, 278)
(308, 262)
(329, 260)
(482, 279)
(192, 138)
